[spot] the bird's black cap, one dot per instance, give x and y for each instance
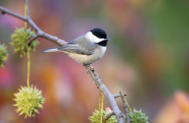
(100, 33)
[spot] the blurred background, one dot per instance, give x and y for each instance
(147, 58)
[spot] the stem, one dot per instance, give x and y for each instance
(100, 106)
(28, 69)
(26, 13)
(99, 100)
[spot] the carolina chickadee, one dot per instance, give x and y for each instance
(87, 48)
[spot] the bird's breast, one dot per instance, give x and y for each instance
(88, 59)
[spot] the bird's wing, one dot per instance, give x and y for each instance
(71, 48)
(75, 48)
(79, 46)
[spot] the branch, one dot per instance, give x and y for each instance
(39, 32)
(126, 109)
(31, 39)
(108, 116)
(118, 95)
(6, 11)
(99, 83)
(95, 76)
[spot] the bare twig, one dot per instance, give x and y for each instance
(126, 110)
(95, 76)
(118, 95)
(34, 26)
(108, 116)
(6, 11)
(31, 39)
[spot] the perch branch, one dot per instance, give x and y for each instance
(95, 76)
(99, 83)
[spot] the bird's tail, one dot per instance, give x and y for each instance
(50, 50)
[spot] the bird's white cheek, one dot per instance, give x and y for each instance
(93, 38)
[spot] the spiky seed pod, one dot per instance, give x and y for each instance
(95, 118)
(137, 116)
(3, 54)
(20, 39)
(28, 101)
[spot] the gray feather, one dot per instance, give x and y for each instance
(74, 48)
(78, 46)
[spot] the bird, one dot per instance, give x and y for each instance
(87, 48)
